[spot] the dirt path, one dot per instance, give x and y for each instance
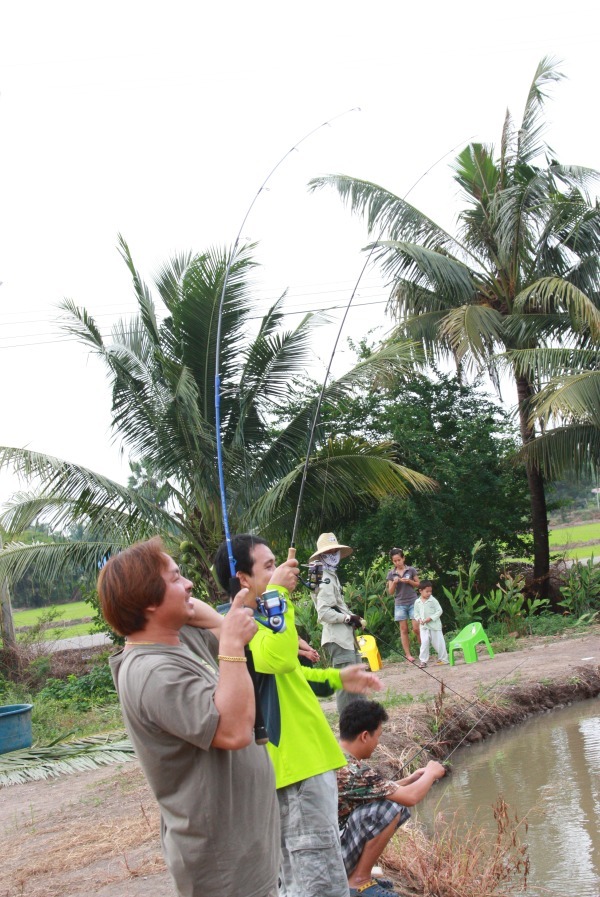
(96, 833)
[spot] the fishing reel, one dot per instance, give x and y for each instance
(315, 577)
(271, 607)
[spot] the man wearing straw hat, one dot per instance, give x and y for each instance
(334, 615)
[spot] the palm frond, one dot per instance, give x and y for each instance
(429, 269)
(473, 333)
(575, 398)
(546, 362)
(385, 212)
(142, 292)
(40, 763)
(564, 449)
(549, 294)
(170, 277)
(332, 479)
(51, 559)
(79, 323)
(74, 492)
(530, 143)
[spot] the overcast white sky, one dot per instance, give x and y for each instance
(160, 121)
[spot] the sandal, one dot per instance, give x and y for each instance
(371, 888)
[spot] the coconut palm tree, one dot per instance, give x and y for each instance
(162, 377)
(522, 271)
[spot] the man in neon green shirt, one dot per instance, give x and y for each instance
(303, 749)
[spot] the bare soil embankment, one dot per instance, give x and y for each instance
(96, 833)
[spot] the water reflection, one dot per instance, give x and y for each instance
(546, 769)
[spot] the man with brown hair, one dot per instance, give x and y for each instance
(190, 717)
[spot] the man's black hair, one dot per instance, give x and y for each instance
(425, 583)
(242, 547)
(361, 716)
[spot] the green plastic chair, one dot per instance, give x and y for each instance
(466, 641)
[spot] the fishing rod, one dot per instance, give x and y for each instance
(311, 438)
(222, 490)
(272, 610)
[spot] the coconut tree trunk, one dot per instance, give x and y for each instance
(537, 495)
(7, 629)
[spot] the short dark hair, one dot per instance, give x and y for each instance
(396, 551)
(242, 547)
(425, 584)
(361, 716)
(130, 582)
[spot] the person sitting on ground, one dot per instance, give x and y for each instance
(428, 612)
(371, 807)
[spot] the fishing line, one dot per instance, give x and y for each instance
(422, 669)
(292, 548)
(453, 721)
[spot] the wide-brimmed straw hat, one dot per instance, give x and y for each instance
(327, 542)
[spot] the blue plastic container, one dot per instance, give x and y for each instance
(15, 727)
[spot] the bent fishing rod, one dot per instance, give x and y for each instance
(271, 611)
(311, 438)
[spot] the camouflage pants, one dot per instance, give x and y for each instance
(312, 864)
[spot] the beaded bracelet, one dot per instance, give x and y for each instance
(232, 659)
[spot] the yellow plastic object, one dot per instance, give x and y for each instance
(467, 640)
(369, 650)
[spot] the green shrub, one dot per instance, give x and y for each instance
(93, 689)
(466, 603)
(581, 591)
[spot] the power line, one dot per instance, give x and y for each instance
(271, 297)
(71, 339)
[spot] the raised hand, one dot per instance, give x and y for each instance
(286, 575)
(238, 626)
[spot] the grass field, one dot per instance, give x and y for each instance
(67, 612)
(75, 611)
(584, 532)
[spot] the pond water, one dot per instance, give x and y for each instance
(548, 769)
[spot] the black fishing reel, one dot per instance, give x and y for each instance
(315, 577)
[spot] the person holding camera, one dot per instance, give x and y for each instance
(334, 615)
(402, 581)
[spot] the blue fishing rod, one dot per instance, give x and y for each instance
(271, 610)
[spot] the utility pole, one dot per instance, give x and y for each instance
(7, 627)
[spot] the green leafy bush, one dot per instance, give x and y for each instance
(581, 591)
(466, 603)
(93, 689)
